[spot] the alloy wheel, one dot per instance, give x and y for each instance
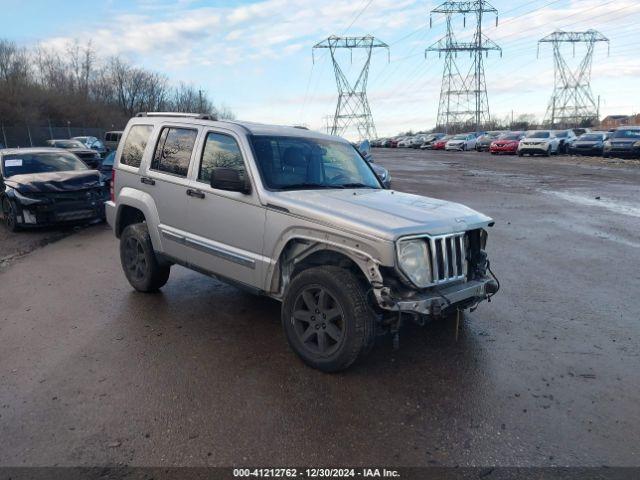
(318, 320)
(135, 259)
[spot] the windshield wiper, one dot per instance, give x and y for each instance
(356, 185)
(307, 185)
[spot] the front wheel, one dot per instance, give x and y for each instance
(10, 215)
(326, 318)
(139, 262)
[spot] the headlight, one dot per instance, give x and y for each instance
(607, 144)
(413, 259)
(636, 145)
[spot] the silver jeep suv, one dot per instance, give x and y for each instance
(298, 216)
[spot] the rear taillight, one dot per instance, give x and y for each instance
(112, 186)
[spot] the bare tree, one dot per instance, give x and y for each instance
(74, 84)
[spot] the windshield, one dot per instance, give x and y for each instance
(26, 163)
(592, 137)
(459, 137)
(298, 163)
(627, 134)
(510, 136)
(562, 134)
(540, 135)
(68, 144)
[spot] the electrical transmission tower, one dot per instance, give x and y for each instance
(572, 102)
(463, 97)
(353, 106)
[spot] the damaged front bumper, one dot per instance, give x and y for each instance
(56, 209)
(433, 301)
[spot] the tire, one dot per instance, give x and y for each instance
(139, 261)
(10, 215)
(548, 154)
(520, 154)
(328, 344)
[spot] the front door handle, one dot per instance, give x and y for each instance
(148, 181)
(195, 193)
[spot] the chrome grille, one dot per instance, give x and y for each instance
(448, 258)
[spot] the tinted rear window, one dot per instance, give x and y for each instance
(135, 144)
(173, 151)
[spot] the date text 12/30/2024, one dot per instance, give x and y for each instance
(315, 473)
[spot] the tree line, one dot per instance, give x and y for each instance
(40, 85)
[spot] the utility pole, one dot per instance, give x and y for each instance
(572, 101)
(463, 97)
(352, 108)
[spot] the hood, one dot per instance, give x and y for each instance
(380, 213)
(54, 181)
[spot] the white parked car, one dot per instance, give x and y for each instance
(539, 142)
(565, 140)
(404, 142)
(462, 142)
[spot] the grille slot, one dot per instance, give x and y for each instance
(448, 258)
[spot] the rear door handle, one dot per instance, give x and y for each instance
(148, 181)
(195, 193)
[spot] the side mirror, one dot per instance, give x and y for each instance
(230, 179)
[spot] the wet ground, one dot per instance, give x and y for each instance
(200, 374)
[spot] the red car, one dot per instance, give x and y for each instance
(506, 143)
(439, 144)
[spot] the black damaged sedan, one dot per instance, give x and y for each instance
(48, 186)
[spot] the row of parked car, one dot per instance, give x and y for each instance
(66, 181)
(621, 142)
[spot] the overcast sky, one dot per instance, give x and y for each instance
(255, 56)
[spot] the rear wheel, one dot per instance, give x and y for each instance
(10, 215)
(326, 318)
(139, 262)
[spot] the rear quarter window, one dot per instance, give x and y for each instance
(135, 144)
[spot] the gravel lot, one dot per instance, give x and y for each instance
(547, 374)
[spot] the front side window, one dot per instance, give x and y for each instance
(297, 163)
(219, 151)
(135, 144)
(30, 163)
(173, 151)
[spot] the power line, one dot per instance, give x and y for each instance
(357, 16)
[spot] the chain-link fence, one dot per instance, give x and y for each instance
(36, 136)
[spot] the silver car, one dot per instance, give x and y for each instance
(300, 217)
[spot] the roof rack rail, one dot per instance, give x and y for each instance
(198, 116)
